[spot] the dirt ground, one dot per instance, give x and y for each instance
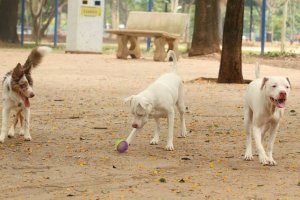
(78, 113)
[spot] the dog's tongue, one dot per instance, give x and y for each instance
(26, 101)
(280, 105)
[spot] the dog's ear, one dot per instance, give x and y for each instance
(264, 82)
(149, 107)
(289, 81)
(17, 72)
(129, 99)
(146, 106)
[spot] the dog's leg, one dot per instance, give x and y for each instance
(22, 124)
(11, 132)
(171, 116)
(263, 158)
(27, 135)
(181, 108)
(131, 136)
(264, 131)
(273, 133)
(155, 139)
(5, 117)
(248, 125)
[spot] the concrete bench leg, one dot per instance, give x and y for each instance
(173, 45)
(134, 49)
(159, 52)
(123, 51)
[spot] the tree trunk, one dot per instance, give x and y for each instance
(38, 10)
(51, 14)
(36, 7)
(174, 5)
(9, 20)
(206, 33)
(231, 59)
(283, 30)
(115, 14)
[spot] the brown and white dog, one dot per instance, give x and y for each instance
(17, 89)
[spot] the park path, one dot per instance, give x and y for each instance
(78, 113)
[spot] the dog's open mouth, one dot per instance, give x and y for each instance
(25, 101)
(280, 102)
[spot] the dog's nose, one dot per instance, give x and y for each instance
(134, 126)
(282, 94)
(31, 95)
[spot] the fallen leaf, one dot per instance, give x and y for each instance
(82, 163)
(162, 180)
(181, 181)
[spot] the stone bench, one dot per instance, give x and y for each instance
(166, 28)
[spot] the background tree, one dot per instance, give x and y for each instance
(174, 5)
(284, 20)
(206, 33)
(231, 59)
(9, 20)
(38, 9)
(115, 14)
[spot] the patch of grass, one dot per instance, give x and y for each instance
(276, 54)
(271, 54)
(108, 48)
(28, 46)
(111, 48)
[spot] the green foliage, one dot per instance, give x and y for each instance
(274, 17)
(132, 5)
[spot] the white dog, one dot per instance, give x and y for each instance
(17, 89)
(264, 106)
(157, 101)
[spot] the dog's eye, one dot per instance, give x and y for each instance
(24, 85)
(274, 86)
(287, 87)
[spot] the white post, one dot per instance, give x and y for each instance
(85, 26)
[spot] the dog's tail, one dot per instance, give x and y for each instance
(171, 54)
(257, 70)
(35, 57)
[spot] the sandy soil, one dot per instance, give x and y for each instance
(79, 112)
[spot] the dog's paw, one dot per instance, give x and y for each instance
(21, 132)
(11, 132)
(2, 137)
(27, 138)
(265, 161)
(183, 134)
(154, 141)
(272, 162)
(170, 147)
(248, 157)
